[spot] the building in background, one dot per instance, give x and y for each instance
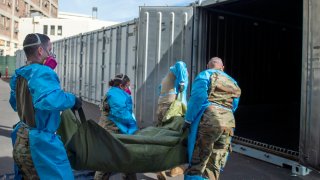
(66, 25)
(10, 13)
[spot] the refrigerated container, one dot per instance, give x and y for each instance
(271, 47)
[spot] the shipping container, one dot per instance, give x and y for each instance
(261, 45)
(165, 36)
(88, 61)
(262, 50)
(271, 47)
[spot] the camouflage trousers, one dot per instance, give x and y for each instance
(163, 107)
(22, 154)
(213, 145)
(112, 128)
(164, 104)
(108, 125)
(161, 112)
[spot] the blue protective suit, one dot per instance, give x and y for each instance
(180, 71)
(120, 113)
(190, 177)
(198, 103)
(47, 151)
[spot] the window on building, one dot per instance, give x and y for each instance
(45, 29)
(8, 23)
(2, 23)
(1, 52)
(15, 45)
(53, 11)
(45, 4)
(59, 32)
(8, 43)
(16, 27)
(52, 30)
(17, 5)
(26, 10)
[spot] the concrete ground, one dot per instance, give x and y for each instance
(7, 119)
(239, 167)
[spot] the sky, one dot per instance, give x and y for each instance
(115, 10)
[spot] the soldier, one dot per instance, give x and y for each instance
(214, 98)
(117, 115)
(38, 98)
(174, 83)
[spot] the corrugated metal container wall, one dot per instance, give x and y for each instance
(68, 59)
(165, 36)
(127, 53)
(71, 65)
(119, 47)
(98, 54)
(310, 100)
(58, 49)
(73, 51)
(88, 61)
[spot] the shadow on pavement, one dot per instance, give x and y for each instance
(4, 168)
(5, 132)
(5, 79)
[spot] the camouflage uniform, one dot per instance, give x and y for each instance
(166, 98)
(112, 128)
(22, 154)
(21, 149)
(215, 129)
(104, 122)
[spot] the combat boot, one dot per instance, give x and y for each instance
(161, 175)
(176, 171)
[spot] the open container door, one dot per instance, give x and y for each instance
(260, 42)
(258, 49)
(165, 36)
(310, 99)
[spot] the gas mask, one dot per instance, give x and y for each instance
(50, 61)
(128, 90)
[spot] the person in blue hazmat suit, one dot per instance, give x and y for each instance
(173, 84)
(37, 97)
(209, 118)
(117, 115)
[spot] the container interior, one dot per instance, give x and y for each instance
(260, 42)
